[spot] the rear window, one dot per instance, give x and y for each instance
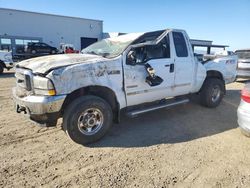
(243, 54)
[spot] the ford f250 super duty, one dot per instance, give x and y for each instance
(136, 73)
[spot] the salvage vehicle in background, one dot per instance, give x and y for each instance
(6, 61)
(67, 49)
(243, 111)
(36, 48)
(136, 73)
(243, 68)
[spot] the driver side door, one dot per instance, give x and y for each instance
(160, 58)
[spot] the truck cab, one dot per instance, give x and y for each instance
(137, 73)
(171, 59)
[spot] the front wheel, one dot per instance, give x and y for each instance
(212, 92)
(87, 119)
(53, 52)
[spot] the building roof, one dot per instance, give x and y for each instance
(7, 9)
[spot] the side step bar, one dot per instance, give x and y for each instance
(136, 112)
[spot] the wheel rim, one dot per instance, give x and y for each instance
(90, 121)
(216, 92)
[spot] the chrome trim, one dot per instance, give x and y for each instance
(90, 121)
(20, 75)
(182, 85)
(156, 89)
(156, 107)
(132, 86)
(39, 104)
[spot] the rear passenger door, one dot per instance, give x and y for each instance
(184, 63)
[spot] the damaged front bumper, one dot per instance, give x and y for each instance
(41, 109)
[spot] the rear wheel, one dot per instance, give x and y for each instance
(53, 51)
(87, 119)
(33, 52)
(212, 92)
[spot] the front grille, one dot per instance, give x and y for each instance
(23, 82)
(28, 82)
(20, 77)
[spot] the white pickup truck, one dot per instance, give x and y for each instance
(136, 72)
(6, 61)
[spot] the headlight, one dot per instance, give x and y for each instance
(43, 86)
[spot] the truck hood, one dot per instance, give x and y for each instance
(47, 63)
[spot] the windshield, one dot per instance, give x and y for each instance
(111, 47)
(243, 54)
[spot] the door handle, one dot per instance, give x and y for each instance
(167, 65)
(171, 69)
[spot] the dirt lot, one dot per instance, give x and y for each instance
(188, 146)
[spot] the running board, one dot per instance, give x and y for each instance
(166, 104)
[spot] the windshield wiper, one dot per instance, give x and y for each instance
(105, 54)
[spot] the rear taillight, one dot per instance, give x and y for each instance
(245, 95)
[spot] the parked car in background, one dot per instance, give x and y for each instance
(6, 61)
(243, 68)
(244, 111)
(68, 49)
(35, 48)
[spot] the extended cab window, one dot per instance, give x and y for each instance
(180, 44)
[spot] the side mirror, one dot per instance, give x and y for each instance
(131, 59)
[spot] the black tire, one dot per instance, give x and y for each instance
(33, 52)
(53, 52)
(212, 92)
(1, 68)
(74, 112)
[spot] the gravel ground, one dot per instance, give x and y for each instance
(186, 146)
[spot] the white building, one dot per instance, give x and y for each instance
(18, 27)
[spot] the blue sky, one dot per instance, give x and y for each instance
(223, 21)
